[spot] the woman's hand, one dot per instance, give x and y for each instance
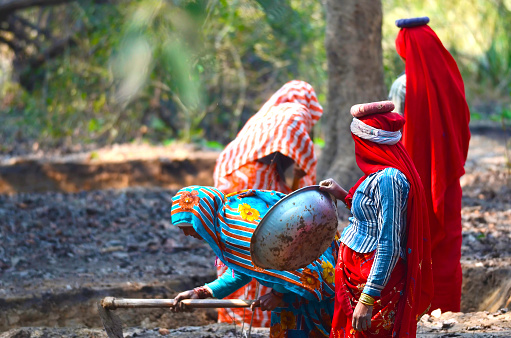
(267, 302)
(362, 317)
(178, 305)
(298, 172)
(331, 186)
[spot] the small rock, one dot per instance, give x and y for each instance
(436, 326)
(164, 331)
(436, 313)
(475, 328)
(447, 324)
(426, 318)
(496, 328)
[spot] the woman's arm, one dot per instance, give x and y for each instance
(227, 283)
(390, 194)
(331, 186)
(223, 286)
(389, 197)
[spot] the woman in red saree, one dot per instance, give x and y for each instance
(271, 141)
(436, 136)
(383, 276)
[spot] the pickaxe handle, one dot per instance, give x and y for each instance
(112, 303)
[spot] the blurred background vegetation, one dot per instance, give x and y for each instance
(78, 74)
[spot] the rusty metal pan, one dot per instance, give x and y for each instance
(295, 231)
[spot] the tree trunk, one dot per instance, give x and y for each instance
(355, 75)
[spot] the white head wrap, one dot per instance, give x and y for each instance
(372, 134)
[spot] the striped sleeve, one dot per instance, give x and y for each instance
(390, 195)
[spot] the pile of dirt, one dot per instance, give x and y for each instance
(65, 251)
(469, 325)
(113, 167)
(473, 324)
(207, 331)
(486, 225)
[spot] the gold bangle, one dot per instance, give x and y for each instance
(363, 302)
(366, 299)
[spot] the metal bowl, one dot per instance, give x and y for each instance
(295, 231)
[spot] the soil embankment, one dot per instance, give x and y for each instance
(115, 167)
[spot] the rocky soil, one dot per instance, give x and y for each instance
(62, 252)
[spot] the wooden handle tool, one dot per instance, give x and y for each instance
(112, 303)
(113, 324)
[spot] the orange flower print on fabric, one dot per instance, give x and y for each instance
(328, 272)
(189, 199)
(310, 279)
(248, 213)
(287, 320)
(276, 331)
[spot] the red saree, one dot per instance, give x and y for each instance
(437, 136)
(417, 289)
(351, 273)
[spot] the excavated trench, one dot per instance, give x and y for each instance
(64, 248)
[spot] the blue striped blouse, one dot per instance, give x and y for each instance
(379, 223)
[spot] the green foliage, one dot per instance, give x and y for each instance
(94, 155)
(196, 70)
(182, 69)
(475, 116)
(214, 145)
(476, 33)
(319, 142)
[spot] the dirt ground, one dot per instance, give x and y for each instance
(61, 252)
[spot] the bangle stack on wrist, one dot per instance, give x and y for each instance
(366, 299)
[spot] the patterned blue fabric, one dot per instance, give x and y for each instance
(300, 318)
(227, 226)
(378, 223)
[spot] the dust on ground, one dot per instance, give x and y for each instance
(65, 247)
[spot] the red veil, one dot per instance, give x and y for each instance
(372, 157)
(437, 134)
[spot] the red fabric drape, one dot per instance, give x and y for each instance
(372, 157)
(437, 136)
(351, 274)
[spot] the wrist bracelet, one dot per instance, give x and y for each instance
(366, 299)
